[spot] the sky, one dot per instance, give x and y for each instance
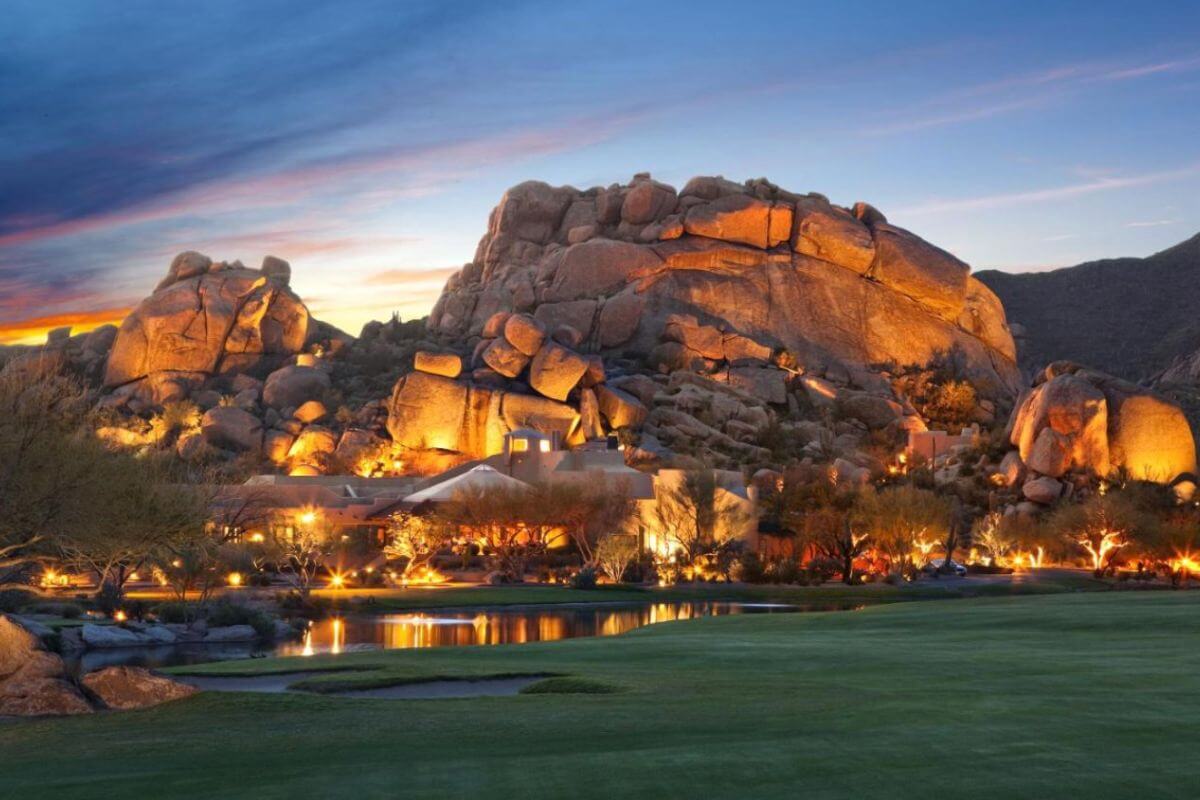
(366, 142)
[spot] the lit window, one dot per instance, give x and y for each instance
(544, 445)
(520, 445)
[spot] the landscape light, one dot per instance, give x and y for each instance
(234, 579)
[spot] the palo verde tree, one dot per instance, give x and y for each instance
(897, 519)
(699, 514)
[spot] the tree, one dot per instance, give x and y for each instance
(45, 462)
(897, 518)
(416, 538)
(1102, 526)
(588, 512)
(503, 521)
(132, 515)
(698, 514)
(302, 555)
(993, 536)
(613, 554)
(838, 541)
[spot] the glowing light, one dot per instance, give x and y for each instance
(133, 576)
(337, 581)
(234, 579)
(120, 616)
(544, 445)
(308, 517)
(257, 538)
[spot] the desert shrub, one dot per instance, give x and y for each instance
(749, 568)
(174, 613)
(784, 570)
(584, 578)
(108, 598)
(64, 610)
(13, 600)
(224, 613)
(951, 403)
(299, 605)
(821, 569)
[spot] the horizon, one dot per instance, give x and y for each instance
(367, 149)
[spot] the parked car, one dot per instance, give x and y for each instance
(936, 566)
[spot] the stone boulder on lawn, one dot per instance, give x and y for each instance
(34, 682)
(126, 688)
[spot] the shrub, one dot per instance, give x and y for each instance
(64, 610)
(174, 613)
(226, 613)
(108, 598)
(822, 569)
(12, 600)
(749, 568)
(584, 579)
(784, 570)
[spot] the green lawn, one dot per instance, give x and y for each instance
(827, 595)
(1089, 695)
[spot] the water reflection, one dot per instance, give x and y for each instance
(449, 628)
(499, 626)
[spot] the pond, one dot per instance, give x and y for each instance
(440, 628)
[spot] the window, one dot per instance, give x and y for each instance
(544, 445)
(519, 445)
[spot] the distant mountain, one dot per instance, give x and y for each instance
(1131, 317)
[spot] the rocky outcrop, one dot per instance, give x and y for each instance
(207, 318)
(523, 379)
(755, 271)
(1076, 420)
(34, 682)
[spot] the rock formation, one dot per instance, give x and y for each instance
(725, 278)
(431, 409)
(207, 318)
(1076, 420)
(33, 681)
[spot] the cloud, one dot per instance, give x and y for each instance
(1017, 93)
(34, 330)
(408, 277)
(1154, 223)
(1056, 193)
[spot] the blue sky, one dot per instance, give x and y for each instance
(366, 142)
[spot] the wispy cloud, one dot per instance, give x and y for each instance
(1017, 93)
(1153, 223)
(1055, 193)
(408, 277)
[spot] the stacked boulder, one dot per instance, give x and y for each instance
(726, 278)
(206, 318)
(1077, 424)
(521, 376)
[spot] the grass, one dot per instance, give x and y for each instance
(1085, 694)
(826, 596)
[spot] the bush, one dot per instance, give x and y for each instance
(225, 613)
(307, 607)
(784, 570)
(108, 598)
(174, 613)
(12, 600)
(584, 579)
(749, 568)
(64, 610)
(821, 569)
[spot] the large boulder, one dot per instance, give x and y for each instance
(429, 412)
(209, 318)
(448, 365)
(1082, 420)
(291, 386)
(126, 688)
(599, 267)
(555, 371)
(231, 428)
(34, 682)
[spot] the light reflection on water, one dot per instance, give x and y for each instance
(498, 626)
(440, 628)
